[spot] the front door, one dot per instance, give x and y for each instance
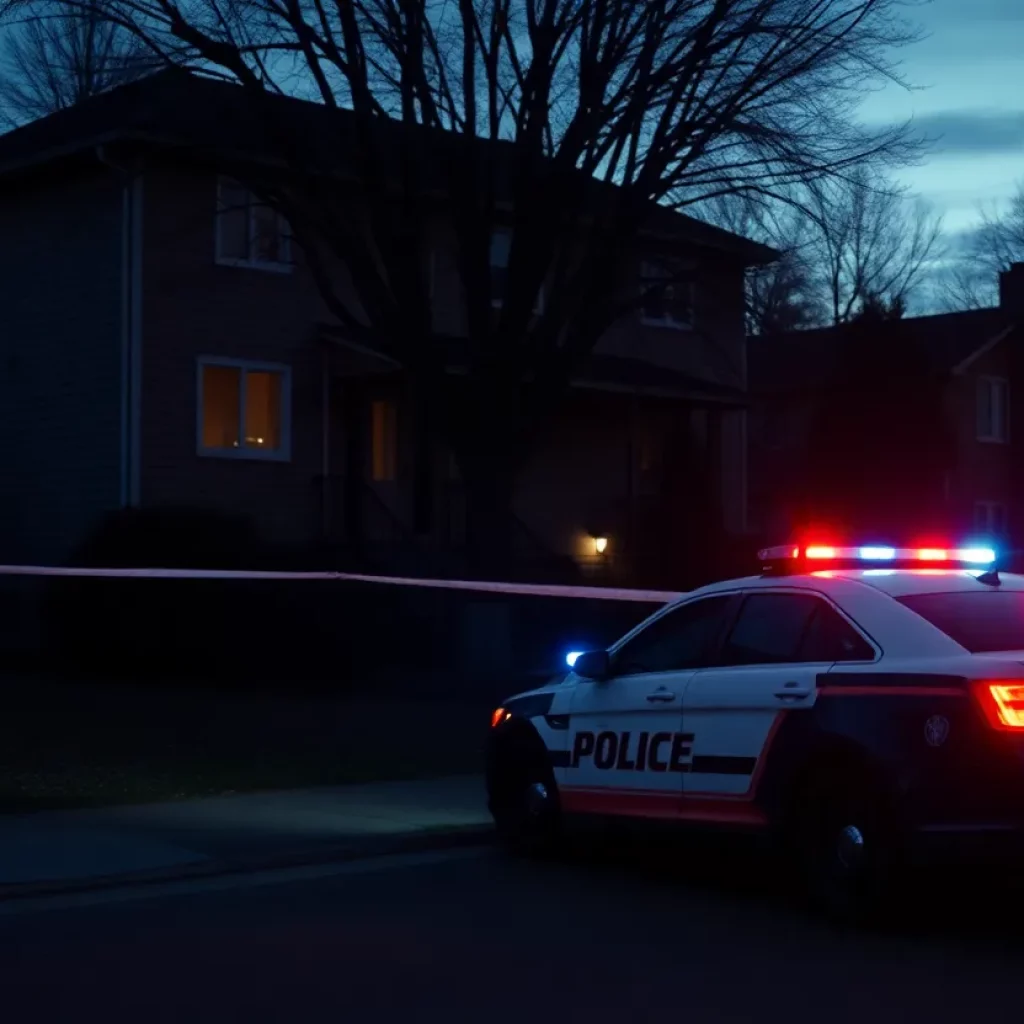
(628, 750)
(767, 669)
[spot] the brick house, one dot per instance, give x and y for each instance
(977, 357)
(164, 344)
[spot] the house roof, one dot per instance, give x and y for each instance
(800, 361)
(209, 117)
(597, 373)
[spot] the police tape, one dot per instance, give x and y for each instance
(481, 586)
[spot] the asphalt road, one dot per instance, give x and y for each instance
(475, 937)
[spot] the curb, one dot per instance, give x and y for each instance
(444, 838)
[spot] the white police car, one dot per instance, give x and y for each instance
(863, 705)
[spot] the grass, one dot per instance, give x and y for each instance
(68, 745)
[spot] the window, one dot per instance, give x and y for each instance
(980, 620)
(244, 409)
(667, 298)
(383, 440)
(250, 233)
(679, 639)
(786, 628)
(830, 637)
(993, 408)
(501, 247)
(990, 518)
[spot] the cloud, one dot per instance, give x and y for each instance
(959, 132)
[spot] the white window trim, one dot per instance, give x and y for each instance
(538, 309)
(281, 454)
(989, 381)
(274, 266)
(649, 274)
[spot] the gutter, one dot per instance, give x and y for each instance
(131, 328)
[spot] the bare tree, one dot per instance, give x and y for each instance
(545, 105)
(53, 57)
(850, 248)
(972, 280)
(876, 244)
(784, 295)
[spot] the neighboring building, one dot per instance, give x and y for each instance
(163, 344)
(978, 357)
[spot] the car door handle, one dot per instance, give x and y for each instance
(663, 696)
(793, 693)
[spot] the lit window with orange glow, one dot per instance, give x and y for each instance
(384, 440)
(243, 409)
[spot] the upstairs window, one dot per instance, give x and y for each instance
(250, 233)
(244, 409)
(501, 247)
(666, 296)
(993, 409)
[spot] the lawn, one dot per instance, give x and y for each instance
(66, 744)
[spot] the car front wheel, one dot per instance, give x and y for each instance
(524, 804)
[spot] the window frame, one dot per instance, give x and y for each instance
(283, 453)
(253, 263)
(651, 271)
(995, 385)
(814, 595)
(731, 601)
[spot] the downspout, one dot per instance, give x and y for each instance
(325, 446)
(131, 328)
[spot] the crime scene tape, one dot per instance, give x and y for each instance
(482, 586)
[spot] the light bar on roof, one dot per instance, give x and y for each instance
(876, 554)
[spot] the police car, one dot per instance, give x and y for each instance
(864, 706)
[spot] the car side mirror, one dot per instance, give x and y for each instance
(596, 665)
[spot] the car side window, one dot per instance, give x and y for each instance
(787, 628)
(830, 637)
(679, 639)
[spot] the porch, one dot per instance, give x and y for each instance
(642, 477)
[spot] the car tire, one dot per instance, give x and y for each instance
(847, 853)
(525, 807)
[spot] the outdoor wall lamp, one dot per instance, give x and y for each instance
(600, 545)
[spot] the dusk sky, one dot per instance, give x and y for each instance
(971, 70)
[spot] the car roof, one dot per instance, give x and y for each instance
(894, 582)
(904, 582)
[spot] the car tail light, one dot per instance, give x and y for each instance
(498, 716)
(1003, 703)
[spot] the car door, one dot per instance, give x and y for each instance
(627, 746)
(767, 668)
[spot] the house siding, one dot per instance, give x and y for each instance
(984, 469)
(60, 362)
(195, 307)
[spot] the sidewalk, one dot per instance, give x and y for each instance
(82, 848)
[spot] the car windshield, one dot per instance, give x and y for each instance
(990, 620)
